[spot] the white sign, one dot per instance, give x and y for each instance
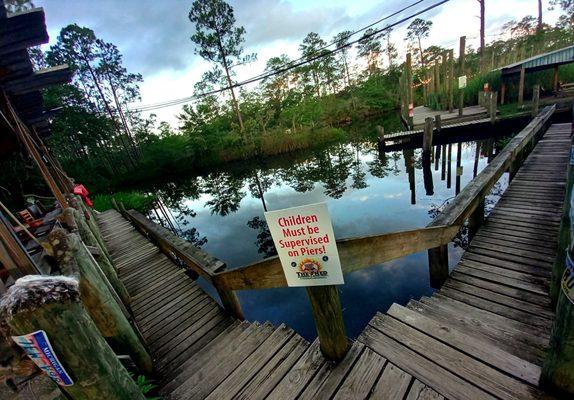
(462, 82)
(305, 242)
(38, 348)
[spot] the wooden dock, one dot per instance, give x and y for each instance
(421, 113)
(483, 335)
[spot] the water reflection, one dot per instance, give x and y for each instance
(368, 191)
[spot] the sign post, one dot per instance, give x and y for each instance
(306, 246)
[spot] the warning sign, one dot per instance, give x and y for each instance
(305, 242)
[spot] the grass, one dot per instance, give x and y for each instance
(139, 201)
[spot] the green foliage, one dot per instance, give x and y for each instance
(141, 202)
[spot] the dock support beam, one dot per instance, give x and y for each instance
(438, 265)
(535, 100)
(461, 51)
(427, 138)
(521, 87)
(476, 219)
(328, 316)
(493, 100)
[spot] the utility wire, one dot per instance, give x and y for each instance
(284, 69)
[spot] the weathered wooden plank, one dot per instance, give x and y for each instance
(539, 301)
(249, 368)
(433, 375)
(420, 391)
(393, 384)
(477, 329)
(487, 378)
(479, 349)
(500, 309)
(216, 370)
(297, 378)
(493, 273)
(362, 377)
(268, 377)
(177, 374)
(328, 379)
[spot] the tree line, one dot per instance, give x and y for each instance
(104, 145)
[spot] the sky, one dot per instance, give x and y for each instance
(154, 36)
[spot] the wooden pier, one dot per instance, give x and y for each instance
(483, 335)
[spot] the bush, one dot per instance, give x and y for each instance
(141, 202)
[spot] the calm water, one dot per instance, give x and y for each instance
(367, 192)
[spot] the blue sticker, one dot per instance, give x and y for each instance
(568, 278)
(39, 349)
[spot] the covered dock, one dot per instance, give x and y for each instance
(550, 60)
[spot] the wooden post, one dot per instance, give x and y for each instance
(107, 268)
(521, 86)
(409, 87)
(438, 123)
(427, 138)
(449, 168)
(493, 98)
(230, 303)
(555, 80)
(476, 219)
(558, 369)
(450, 80)
(438, 265)
(437, 156)
(381, 135)
(502, 93)
(328, 316)
(97, 297)
(443, 165)
(462, 48)
(52, 304)
(458, 167)
(535, 100)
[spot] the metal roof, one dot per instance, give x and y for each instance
(542, 61)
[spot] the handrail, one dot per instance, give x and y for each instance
(193, 257)
(268, 273)
(469, 198)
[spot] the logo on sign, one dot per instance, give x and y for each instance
(39, 349)
(311, 268)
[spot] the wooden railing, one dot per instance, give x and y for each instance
(355, 253)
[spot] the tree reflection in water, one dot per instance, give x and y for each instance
(264, 240)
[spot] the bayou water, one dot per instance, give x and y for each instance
(368, 191)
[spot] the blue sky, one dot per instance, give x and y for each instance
(154, 36)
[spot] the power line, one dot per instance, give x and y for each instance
(259, 77)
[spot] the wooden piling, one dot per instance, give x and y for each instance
(427, 138)
(535, 100)
(438, 265)
(493, 108)
(230, 303)
(448, 167)
(328, 316)
(458, 167)
(521, 87)
(555, 80)
(462, 48)
(476, 219)
(438, 122)
(381, 135)
(52, 304)
(105, 264)
(450, 80)
(502, 93)
(97, 297)
(409, 88)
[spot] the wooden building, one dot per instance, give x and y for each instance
(25, 123)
